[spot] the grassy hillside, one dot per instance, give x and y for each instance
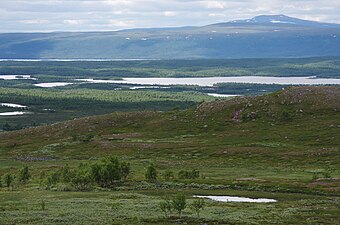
(283, 145)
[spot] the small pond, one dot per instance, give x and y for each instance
(236, 199)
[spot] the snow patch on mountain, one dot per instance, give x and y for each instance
(278, 21)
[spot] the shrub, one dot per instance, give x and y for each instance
(179, 203)
(249, 116)
(66, 174)
(42, 177)
(104, 173)
(109, 171)
(326, 174)
(165, 206)
(193, 174)
(24, 175)
(82, 178)
(125, 170)
(0, 183)
(285, 115)
(8, 180)
(151, 173)
(43, 205)
(52, 179)
(168, 175)
(197, 205)
(88, 138)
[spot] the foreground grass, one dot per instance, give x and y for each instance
(102, 207)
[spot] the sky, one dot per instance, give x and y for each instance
(108, 15)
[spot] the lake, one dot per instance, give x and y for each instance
(211, 81)
(17, 113)
(221, 95)
(16, 77)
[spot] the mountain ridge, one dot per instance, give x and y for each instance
(282, 19)
(259, 37)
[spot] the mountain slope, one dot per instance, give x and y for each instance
(260, 37)
(282, 19)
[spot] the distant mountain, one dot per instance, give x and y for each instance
(282, 19)
(273, 36)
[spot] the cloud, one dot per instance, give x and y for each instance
(170, 13)
(120, 23)
(34, 21)
(88, 15)
(73, 22)
(214, 4)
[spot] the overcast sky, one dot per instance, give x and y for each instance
(103, 15)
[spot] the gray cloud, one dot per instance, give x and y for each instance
(86, 15)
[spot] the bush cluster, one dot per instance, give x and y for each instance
(193, 174)
(106, 173)
(179, 203)
(8, 179)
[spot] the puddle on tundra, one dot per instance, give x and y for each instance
(236, 199)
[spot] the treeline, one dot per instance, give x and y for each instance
(106, 173)
(7, 180)
(36, 95)
(52, 105)
(109, 172)
(323, 67)
(247, 89)
(152, 174)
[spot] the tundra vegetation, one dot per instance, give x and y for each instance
(145, 167)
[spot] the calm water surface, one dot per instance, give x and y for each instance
(211, 81)
(236, 199)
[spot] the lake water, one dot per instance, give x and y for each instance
(236, 199)
(17, 113)
(72, 60)
(54, 84)
(211, 81)
(147, 87)
(16, 77)
(222, 95)
(11, 105)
